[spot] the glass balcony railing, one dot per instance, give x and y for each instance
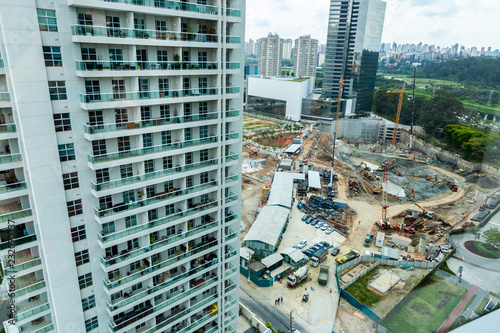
(15, 215)
(232, 235)
(44, 329)
(4, 96)
(1, 63)
(175, 5)
(18, 241)
(122, 302)
(231, 253)
(232, 196)
(23, 266)
(232, 157)
(104, 128)
(232, 65)
(196, 323)
(230, 287)
(10, 158)
(230, 301)
(8, 128)
(159, 198)
(32, 312)
(13, 187)
(144, 65)
(232, 113)
(138, 95)
(231, 216)
(233, 39)
(230, 271)
(232, 178)
(126, 322)
(232, 135)
(233, 12)
(151, 224)
(29, 289)
(150, 150)
(157, 245)
(154, 268)
(152, 175)
(212, 330)
(90, 30)
(230, 329)
(230, 316)
(232, 90)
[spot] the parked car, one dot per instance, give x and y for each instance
(319, 225)
(326, 245)
(302, 244)
(308, 252)
(305, 217)
(313, 223)
(324, 227)
(329, 231)
(309, 220)
(335, 251)
(315, 248)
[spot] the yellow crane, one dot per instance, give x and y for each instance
(400, 104)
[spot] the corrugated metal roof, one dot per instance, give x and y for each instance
(314, 180)
(292, 148)
(246, 253)
(282, 188)
(272, 259)
(268, 225)
(390, 252)
(295, 254)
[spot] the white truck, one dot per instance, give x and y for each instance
(296, 278)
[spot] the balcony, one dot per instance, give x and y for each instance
(127, 66)
(13, 215)
(18, 241)
(7, 128)
(233, 12)
(230, 285)
(232, 157)
(231, 216)
(232, 113)
(31, 307)
(122, 323)
(4, 96)
(230, 270)
(232, 235)
(141, 95)
(230, 316)
(231, 252)
(232, 90)
(1, 63)
(233, 39)
(106, 128)
(28, 283)
(232, 135)
(23, 265)
(9, 188)
(232, 197)
(150, 150)
(109, 261)
(163, 264)
(142, 34)
(196, 323)
(10, 158)
(118, 208)
(104, 238)
(167, 4)
(121, 302)
(232, 65)
(39, 325)
(232, 178)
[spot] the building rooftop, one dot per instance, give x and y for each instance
(272, 259)
(268, 225)
(246, 253)
(293, 148)
(295, 254)
(282, 188)
(314, 180)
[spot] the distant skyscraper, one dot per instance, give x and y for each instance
(321, 59)
(270, 55)
(287, 49)
(322, 48)
(304, 56)
(256, 48)
(251, 45)
(352, 49)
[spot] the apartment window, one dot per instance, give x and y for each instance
(171, 251)
(105, 202)
(113, 24)
(143, 87)
(189, 158)
(203, 155)
(162, 55)
(85, 19)
(82, 257)
(138, 327)
(203, 132)
(147, 140)
(163, 86)
(167, 163)
(62, 122)
(121, 116)
(117, 295)
(85, 280)
(166, 137)
(129, 196)
(170, 231)
(187, 134)
(70, 180)
(203, 110)
(91, 323)
(96, 118)
(66, 152)
(130, 221)
(126, 171)
(204, 197)
(115, 56)
(124, 143)
(203, 84)
(78, 233)
(47, 19)
(146, 113)
(88, 302)
(136, 287)
(150, 191)
(202, 57)
(57, 90)
(139, 23)
(133, 244)
(186, 56)
(108, 228)
(52, 56)
(169, 185)
(118, 89)
(203, 177)
(152, 214)
(161, 27)
(75, 207)
(187, 111)
(189, 181)
(99, 147)
(102, 175)
(170, 209)
(149, 166)
(186, 85)
(190, 203)
(165, 112)
(93, 90)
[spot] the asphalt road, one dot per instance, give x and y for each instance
(266, 312)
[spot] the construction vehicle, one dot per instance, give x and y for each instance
(253, 153)
(383, 224)
(368, 240)
(413, 197)
(366, 166)
(354, 186)
(461, 171)
(483, 175)
(378, 189)
(348, 257)
(431, 176)
(425, 213)
(323, 274)
(409, 230)
(368, 175)
(397, 171)
(319, 256)
(451, 184)
(400, 104)
(298, 277)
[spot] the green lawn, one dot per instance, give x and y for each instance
(409, 79)
(487, 249)
(426, 307)
(360, 291)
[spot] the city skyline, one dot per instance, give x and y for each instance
(426, 20)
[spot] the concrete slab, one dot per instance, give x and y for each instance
(384, 282)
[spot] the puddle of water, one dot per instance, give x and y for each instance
(394, 189)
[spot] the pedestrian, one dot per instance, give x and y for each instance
(359, 222)
(281, 299)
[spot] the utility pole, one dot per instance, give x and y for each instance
(291, 321)
(413, 106)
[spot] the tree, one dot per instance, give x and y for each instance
(441, 110)
(492, 237)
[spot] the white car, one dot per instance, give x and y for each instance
(329, 231)
(302, 244)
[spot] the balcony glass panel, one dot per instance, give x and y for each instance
(7, 128)
(233, 12)
(15, 215)
(233, 39)
(232, 65)
(18, 241)
(232, 113)
(175, 5)
(10, 158)
(23, 266)
(144, 65)
(32, 312)
(4, 96)
(232, 90)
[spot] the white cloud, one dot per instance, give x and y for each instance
(471, 23)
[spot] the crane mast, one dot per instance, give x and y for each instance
(339, 101)
(400, 105)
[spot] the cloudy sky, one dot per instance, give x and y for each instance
(439, 22)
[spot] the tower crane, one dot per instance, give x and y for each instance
(400, 104)
(384, 196)
(339, 101)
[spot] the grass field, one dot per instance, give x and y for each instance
(426, 307)
(360, 291)
(487, 249)
(420, 81)
(252, 123)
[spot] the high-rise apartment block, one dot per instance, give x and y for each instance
(287, 49)
(305, 56)
(120, 164)
(353, 44)
(270, 55)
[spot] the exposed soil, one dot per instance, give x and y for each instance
(469, 245)
(280, 140)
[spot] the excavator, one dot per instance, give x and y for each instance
(382, 167)
(425, 213)
(365, 166)
(368, 175)
(432, 176)
(483, 175)
(412, 157)
(378, 189)
(397, 171)
(451, 184)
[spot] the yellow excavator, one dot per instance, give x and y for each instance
(378, 189)
(432, 176)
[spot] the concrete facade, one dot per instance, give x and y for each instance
(304, 56)
(270, 55)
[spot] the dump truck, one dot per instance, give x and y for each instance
(323, 274)
(348, 257)
(368, 240)
(319, 256)
(298, 276)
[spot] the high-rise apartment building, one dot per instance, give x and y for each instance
(352, 49)
(120, 164)
(270, 55)
(251, 45)
(305, 56)
(287, 49)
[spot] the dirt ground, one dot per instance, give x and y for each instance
(349, 319)
(252, 123)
